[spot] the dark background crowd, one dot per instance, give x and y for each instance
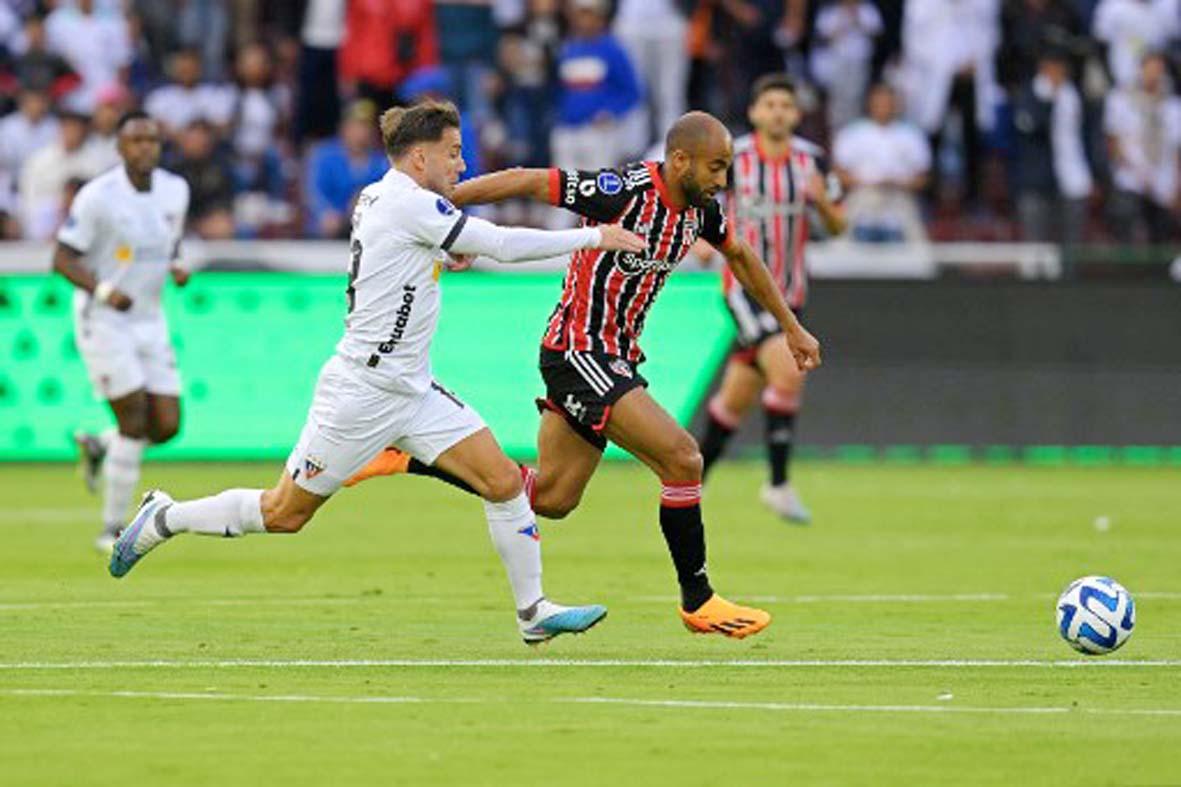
(1046, 120)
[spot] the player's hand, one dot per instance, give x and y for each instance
(180, 276)
(616, 238)
(458, 262)
(816, 190)
(804, 348)
(119, 300)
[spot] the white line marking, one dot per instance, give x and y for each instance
(193, 695)
(584, 663)
(196, 602)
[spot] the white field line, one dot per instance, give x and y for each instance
(194, 602)
(802, 707)
(585, 663)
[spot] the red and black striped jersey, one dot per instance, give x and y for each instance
(607, 294)
(768, 208)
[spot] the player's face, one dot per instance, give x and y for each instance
(139, 145)
(775, 114)
(443, 163)
(705, 173)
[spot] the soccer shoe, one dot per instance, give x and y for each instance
(91, 453)
(784, 501)
(141, 536)
(388, 462)
(552, 619)
(719, 616)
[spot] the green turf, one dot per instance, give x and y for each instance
(402, 570)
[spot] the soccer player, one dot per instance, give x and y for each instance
(377, 389)
(776, 178)
(590, 351)
(117, 246)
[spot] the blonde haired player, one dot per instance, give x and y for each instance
(377, 389)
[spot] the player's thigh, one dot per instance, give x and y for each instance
(448, 433)
(157, 358)
(644, 429)
(741, 384)
(779, 367)
(110, 357)
(479, 461)
(565, 463)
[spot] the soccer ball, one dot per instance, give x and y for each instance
(1096, 615)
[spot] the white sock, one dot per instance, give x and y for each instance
(121, 476)
(518, 541)
(232, 513)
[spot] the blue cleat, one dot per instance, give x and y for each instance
(551, 620)
(141, 536)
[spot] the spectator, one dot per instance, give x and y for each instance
(339, 168)
(113, 101)
(44, 175)
(653, 33)
(1028, 28)
(1143, 127)
(186, 99)
(202, 162)
(36, 68)
(203, 25)
(96, 45)
(384, 41)
(948, 49)
(597, 93)
(760, 36)
(527, 85)
(261, 111)
(884, 163)
(22, 132)
(318, 108)
(1053, 178)
(468, 52)
(842, 55)
(1131, 29)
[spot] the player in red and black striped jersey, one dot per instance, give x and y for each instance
(777, 178)
(590, 349)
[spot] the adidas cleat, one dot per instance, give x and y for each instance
(719, 616)
(142, 535)
(390, 461)
(551, 620)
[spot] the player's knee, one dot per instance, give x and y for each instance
(781, 398)
(683, 462)
(164, 429)
(502, 485)
(134, 427)
(555, 506)
(280, 516)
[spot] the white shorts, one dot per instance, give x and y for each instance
(123, 355)
(351, 421)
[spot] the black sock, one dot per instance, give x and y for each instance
(780, 433)
(684, 532)
(713, 442)
(418, 468)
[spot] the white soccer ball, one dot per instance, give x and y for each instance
(1096, 615)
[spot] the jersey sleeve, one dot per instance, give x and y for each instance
(82, 224)
(715, 228)
(433, 220)
(599, 196)
(183, 198)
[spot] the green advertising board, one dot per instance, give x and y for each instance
(250, 346)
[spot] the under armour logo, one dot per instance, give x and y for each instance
(573, 406)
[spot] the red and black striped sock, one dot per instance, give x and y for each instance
(684, 532)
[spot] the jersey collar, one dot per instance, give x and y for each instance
(763, 154)
(661, 186)
(131, 186)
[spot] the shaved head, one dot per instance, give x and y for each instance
(698, 152)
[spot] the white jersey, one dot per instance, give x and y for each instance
(400, 234)
(127, 237)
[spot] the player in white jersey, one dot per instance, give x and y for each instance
(118, 246)
(377, 389)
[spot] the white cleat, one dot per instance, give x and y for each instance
(550, 620)
(141, 536)
(784, 501)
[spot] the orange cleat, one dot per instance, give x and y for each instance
(719, 616)
(389, 462)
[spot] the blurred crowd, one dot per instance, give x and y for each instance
(1047, 120)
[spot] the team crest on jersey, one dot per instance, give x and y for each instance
(609, 183)
(620, 367)
(123, 253)
(444, 207)
(313, 466)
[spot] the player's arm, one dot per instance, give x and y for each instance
(177, 267)
(831, 214)
(68, 262)
(515, 183)
(752, 274)
(598, 195)
(473, 236)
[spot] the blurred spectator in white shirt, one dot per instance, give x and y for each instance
(884, 163)
(44, 175)
(262, 110)
(842, 53)
(1053, 178)
(186, 99)
(1143, 127)
(95, 43)
(653, 33)
(1131, 29)
(22, 132)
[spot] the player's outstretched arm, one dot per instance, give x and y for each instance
(520, 244)
(515, 183)
(68, 262)
(752, 274)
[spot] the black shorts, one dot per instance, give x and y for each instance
(583, 386)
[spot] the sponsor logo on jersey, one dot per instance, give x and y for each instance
(313, 466)
(620, 367)
(531, 531)
(444, 207)
(402, 320)
(632, 265)
(571, 194)
(609, 183)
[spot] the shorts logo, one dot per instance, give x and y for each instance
(573, 406)
(312, 466)
(620, 367)
(609, 183)
(531, 531)
(444, 207)
(586, 188)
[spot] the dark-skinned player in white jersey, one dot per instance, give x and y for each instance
(590, 352)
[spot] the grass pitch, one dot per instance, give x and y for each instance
(913, 640)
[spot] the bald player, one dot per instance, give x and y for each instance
(590, 352)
